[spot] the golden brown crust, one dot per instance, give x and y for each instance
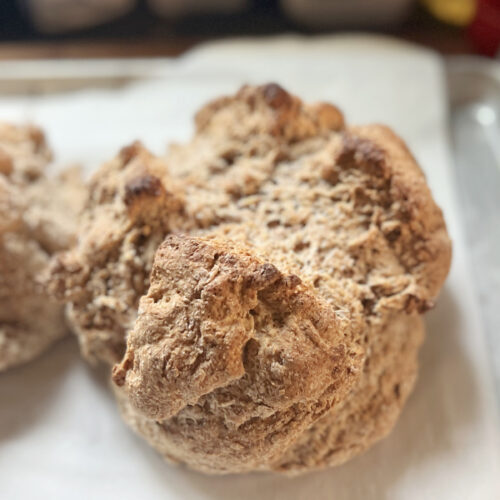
(131, 205)
(427, 246)
(307, 247)
(226, 336)
(360, 420)
(29, 321)
(371, 410)
(348, 212)
(24, 153)
(10, 206)
(267, 110)
(38, 217)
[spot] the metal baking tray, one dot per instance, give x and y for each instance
(474, 120)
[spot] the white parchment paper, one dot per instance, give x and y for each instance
(60, 433)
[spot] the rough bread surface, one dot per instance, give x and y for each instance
(37, 218)
(276, 184)
(130, 206)
(279, 327)
(24, 152)
(221, 351)
(371, 410)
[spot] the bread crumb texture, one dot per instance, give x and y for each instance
(259, 290)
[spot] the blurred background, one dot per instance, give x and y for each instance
(126, 28)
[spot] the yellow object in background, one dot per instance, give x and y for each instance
(457, 12)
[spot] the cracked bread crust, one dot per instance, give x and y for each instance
(221, 352)
(10, 206)
(24, 152)
(276, 187)
(370, 412)
(38, 216)
(243, 168)
(131, 205)
(347, 210)
(29, 321)
(364, 417)
(52, 218)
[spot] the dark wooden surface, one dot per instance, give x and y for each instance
(153, 48)
(141, 34)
